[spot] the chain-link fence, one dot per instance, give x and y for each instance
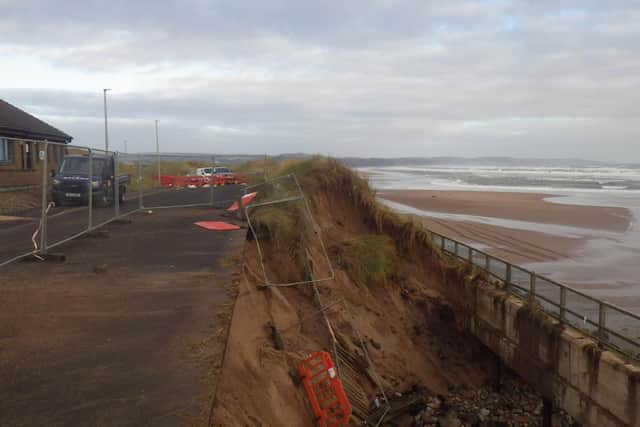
(51, 192)
(611, 326)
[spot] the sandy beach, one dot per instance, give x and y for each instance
(539, 243)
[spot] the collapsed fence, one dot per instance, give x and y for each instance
(51, 193)
(280, 206)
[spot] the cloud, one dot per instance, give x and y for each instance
(536, 78)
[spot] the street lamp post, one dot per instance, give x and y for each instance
(106, 128)
(158, 152)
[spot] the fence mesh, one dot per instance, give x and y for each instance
(73, 189)
(278, 216)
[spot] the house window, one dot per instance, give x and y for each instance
(5, 151)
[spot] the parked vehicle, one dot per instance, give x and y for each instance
(71, 182)
(222, 175)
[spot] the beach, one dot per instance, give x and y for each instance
(582, 245)
(538, 243)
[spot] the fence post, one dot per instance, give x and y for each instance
(43, 211)
(532, 287)
(601, 320)
(212, 180)
(455, 248)
(140, 183)
(563, 302)
(116, 184)
(90, 189)
(508, 276)
(470, 255)
(487, 263)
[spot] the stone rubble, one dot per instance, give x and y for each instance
(515, 405)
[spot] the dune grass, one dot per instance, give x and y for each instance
(368, 260)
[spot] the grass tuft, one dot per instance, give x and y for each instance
(368, 260)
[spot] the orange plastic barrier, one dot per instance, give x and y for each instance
(246, 199)
(328, 400)
(217, 225)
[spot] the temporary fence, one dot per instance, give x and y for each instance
(281, 207)
(612, 326)
(51, 193)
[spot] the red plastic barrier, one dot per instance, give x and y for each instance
(246, 199)
(167, 181)
(217, 225)
(199, 181)
(328, 400)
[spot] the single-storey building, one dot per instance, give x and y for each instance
(22, 148)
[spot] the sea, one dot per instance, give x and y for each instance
(608, 264)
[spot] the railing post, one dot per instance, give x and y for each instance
(212, 180)
(116, 185)
(532, 287)
(507, 279)
(90, 203)
(140, 183)
(601, 320)
(563, 302)
(43, 211)
(470, 255)
(487, 263)
(455, 248)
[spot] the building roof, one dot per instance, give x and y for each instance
(15, 123)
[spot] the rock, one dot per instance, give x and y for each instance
(450, 420)
(375, 344)
(100, 269)
(483, 414)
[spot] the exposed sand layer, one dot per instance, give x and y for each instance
(411, 322)
(517, 206)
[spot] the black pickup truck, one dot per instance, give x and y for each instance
(71, 182)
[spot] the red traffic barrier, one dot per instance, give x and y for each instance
(217, 225)
(327, 397)
(246, 199)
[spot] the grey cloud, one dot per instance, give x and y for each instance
(356, 77)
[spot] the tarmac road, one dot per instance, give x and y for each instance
(129, 331)
(64, 222)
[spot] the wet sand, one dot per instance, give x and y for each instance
(517, 245)
(518, 206)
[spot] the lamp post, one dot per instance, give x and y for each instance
(106, 128)
(158, 152)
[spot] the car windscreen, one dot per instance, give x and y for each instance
(80, 166)
(222, 170)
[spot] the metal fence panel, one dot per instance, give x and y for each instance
(548, 295)
(622, 330)
(20, 198)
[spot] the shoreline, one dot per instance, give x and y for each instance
(530, 207)
(522, 228)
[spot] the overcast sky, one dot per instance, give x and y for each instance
(537, 78)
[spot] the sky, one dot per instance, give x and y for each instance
(536, 78)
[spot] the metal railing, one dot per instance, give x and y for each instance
(613, 327)
(62, 207)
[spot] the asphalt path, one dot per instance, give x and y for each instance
(129, 331)
(64, 222)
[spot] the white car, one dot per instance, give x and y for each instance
(212, 171)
